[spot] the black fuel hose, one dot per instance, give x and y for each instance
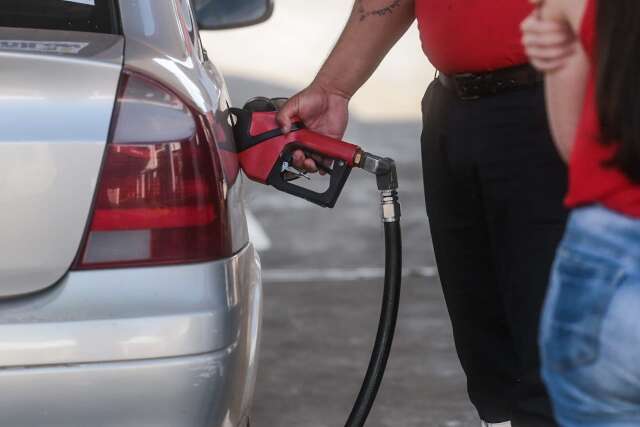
(386, 326)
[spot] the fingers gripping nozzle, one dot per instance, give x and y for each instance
(266, 153)
(266, 156)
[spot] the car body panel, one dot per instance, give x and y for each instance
(49, 164)
(150, 377)
(154, 393)
(145, 313)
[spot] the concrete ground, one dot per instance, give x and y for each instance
(316, 343)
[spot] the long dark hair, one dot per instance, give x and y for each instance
(618, 87)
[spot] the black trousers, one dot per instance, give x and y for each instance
(494, 186)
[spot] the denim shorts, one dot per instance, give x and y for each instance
(590, 331)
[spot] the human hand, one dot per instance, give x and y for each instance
(322, 111)
(548, 43)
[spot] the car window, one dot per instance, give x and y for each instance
(96, 16)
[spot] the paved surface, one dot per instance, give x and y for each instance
(316, 344)
(319, 327)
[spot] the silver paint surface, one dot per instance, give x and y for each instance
(127, 314)
(55, 112)
(167, 346)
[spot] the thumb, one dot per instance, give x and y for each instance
(529, 22)
(285, 116)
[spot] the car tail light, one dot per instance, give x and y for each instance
(160, 195)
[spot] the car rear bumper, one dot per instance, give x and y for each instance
(169, 346)
(187, 391)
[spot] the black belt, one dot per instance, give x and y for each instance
(470, 86)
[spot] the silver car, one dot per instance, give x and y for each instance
(130, 294)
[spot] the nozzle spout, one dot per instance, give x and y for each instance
(383, 168)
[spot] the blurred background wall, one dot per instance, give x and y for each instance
(290, 48)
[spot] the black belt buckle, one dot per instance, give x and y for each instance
(472, 86)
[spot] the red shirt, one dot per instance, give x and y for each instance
(589, 181)
(463, 36)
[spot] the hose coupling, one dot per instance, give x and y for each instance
(390, 206)
(383, 168)
(387, 179)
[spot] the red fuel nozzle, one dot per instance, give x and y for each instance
(266, 154)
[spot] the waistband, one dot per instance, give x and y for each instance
(470, 86)
(605, 233)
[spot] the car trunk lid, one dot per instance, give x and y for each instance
(57, 92)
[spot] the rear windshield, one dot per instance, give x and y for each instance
(95, 16)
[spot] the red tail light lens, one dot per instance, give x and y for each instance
(160, 198)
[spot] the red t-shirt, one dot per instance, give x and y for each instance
(464, 36)
(589, 181)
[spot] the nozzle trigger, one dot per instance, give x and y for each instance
(288, 170)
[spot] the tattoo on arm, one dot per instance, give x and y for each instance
(387, 10)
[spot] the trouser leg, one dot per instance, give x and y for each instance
(493, 187)
(466, 266)
(523, 182)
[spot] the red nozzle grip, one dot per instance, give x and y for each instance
(325, 146)
(258, 159)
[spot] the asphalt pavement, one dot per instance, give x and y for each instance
(322, 271)
(315, 349)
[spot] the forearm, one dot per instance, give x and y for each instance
(565, 92)
(373, 28)
(566, 86)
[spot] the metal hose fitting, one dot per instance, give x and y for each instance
(390, 206)
(387, 179)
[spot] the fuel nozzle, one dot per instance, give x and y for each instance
(387, 179)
